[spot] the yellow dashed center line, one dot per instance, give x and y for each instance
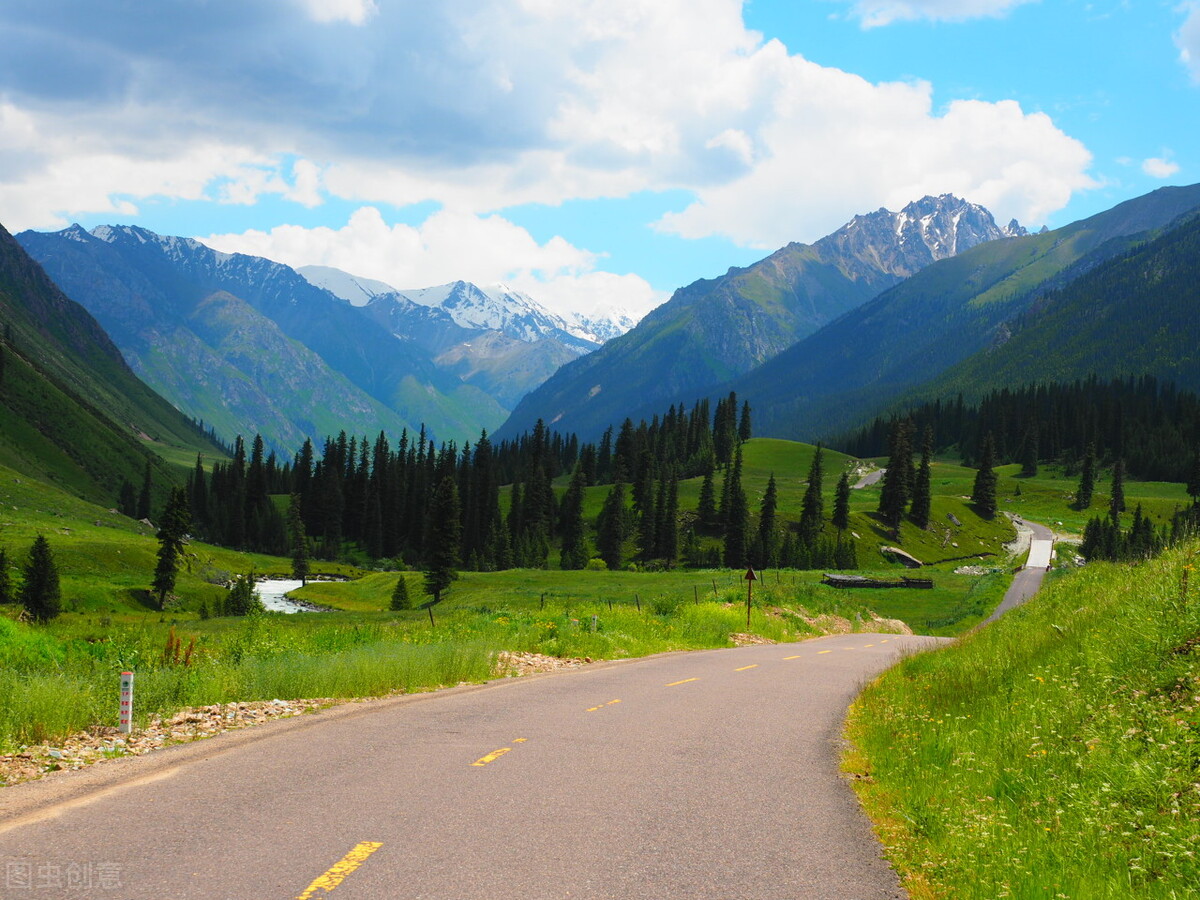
(519, 740)
(685, 681)
(868, 645)
(603, 705)
(744, 668)
(792, 657)
(344, 867)
(824, 651)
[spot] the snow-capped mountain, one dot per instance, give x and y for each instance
(494, 307)
(923, 232)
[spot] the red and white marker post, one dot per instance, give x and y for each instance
(126, 722)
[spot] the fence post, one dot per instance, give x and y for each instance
(638, 601)
(696, 594)
(126, 718)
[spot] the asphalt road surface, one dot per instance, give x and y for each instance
(689, 775)
(1026, 582)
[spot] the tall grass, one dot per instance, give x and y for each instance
(1052, 754)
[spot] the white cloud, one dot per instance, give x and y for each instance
(1159, 167)
(446, 247)
(875, 13)
(356, 12)
(506, 102)
(1188, 38)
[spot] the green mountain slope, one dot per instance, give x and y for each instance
(1138, 314)
(71, 410)
(942, 315)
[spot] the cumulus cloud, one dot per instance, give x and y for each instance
(1188, 39)
(1159, 167)
(446, 247)
(875, 13)
(499, 103)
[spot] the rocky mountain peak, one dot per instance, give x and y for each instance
(925, 231)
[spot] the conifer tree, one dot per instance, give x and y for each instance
(706, 510)
(767, 542)
(841, 503)
(984, 493)
(41, 594)
(400, 598)
(667, 539)
(127, 501)
(1193, 480)
(1029, 451)
(737, 525)
(922, 495)
(1087, 479)
(175, 524)
(574, 553)
(443, 534)
(812, 507)
(744, 429)
(1116, 503)
(897, 489)
(299, 540)
(612, 527)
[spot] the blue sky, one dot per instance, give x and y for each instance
(594, 153)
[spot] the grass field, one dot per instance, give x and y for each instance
(1052, 754)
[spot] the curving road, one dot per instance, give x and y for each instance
(1028, 579)
(709, 774)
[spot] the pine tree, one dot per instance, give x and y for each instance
(1193, 479)
(41, 594)
(767, 543)
(574, 553)
(400, 599)
(1087, 479)
(897, 488)
(127, 501)
(744, 429)
(737, 526)
(706, 509)
(298, 539)
(984, 493)
(812, 507)
(6, 590)
(667, 539)
(175, 524)
(1116, 503)
(922, 495)
(1029, 451)
(443, 534)
(612, 527)
(841, 503)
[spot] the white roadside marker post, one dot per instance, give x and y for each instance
(126, 721)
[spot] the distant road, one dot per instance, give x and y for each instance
(1029, 579)
(688, 775)
(869, 479)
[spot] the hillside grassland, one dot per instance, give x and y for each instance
(1051, 754)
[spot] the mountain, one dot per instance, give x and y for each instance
(937, 318)
(71, 411)
(1137, 314)
(717, 329)
(253, 345)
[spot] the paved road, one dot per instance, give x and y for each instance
(697, 775)
(1027, 581)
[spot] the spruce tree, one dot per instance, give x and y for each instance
(1029, 451)
(1087, 479)
(667, 539)
(984, 493)
(737, 525)
(574, 553)
(1193, 479)
(298, 539)
(744, 428)
(612, 527)
(143, 502)
(400, 598)
(812, 507)
(443, 534)
(1116, 503)
(767, 544)
(40, 593)
(174, 526)
(243, 599)
(896, 491)
(841, 503)
(706, 510)
(922, 495)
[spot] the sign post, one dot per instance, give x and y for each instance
(750, 579)
(126, 720)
